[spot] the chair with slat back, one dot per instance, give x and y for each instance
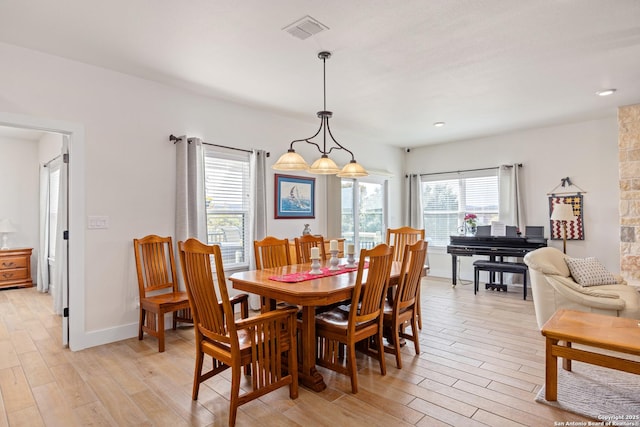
(158, 287)
(360, 321)
(304, 245)
(402, 309)
(399, 238)
(271, 252)
(266, 343)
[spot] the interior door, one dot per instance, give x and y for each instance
(54, 246)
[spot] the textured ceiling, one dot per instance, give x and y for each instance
(482, 66)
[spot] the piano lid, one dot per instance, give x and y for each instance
(506, 241)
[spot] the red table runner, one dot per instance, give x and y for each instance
(306, 275)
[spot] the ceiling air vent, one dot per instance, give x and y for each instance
(305, 27)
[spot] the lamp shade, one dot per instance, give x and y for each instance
(324, 166)
(562, 212)
(352, 170)
(6, 226)
(291, 161)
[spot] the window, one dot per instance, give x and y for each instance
(447, 198)
(227, 192)
(364, 211)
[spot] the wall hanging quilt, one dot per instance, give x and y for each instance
(575, 228)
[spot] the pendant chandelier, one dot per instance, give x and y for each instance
(292, 161)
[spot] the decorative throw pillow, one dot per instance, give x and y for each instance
(589, 272)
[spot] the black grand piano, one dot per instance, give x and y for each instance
(511, 245)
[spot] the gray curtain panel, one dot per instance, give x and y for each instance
(190, 199)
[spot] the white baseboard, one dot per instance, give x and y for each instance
(109, 335)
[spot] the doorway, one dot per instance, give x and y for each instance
(73, 333)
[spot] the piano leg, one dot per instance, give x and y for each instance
(454, 264)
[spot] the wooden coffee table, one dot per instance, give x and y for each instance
(594, 330)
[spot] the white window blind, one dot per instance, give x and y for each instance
(448, 197)
(227, 186)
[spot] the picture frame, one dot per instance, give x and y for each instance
(294, 197)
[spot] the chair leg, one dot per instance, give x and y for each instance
(418, 308)
(143, 318)
(383, 366)
(196, 375)
(175, 320)
(353, 370)
(416, 340)
(235, 392)
(293, 371)
(160, 326)
(396, 341)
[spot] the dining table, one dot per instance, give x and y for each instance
(310, 294)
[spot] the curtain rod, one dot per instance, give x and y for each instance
(46, 165)
(468, 170)
(175, 139)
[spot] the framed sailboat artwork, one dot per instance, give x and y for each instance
(294, 197)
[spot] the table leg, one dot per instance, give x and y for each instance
(267, 304)
(551, 371)
(308, 374)
(566, 363)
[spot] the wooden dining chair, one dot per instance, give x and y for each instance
(271, 252)
(399, 238)
(158, 287)
(265, 343)
(402, 309)
(361, 320)
(304, 245)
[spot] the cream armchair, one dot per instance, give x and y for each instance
(553, 287)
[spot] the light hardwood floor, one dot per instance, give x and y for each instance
(482, 363)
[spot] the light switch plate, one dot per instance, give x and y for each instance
(98, 222)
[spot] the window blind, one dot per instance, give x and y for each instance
(227, 187)
(446, 200)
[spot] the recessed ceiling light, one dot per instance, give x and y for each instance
(439, 124)
(605, 92)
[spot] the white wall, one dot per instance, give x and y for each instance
(587, 152)
(19, 184)
(49, 147)
(130, 163)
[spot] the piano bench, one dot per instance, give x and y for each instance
(499, 267)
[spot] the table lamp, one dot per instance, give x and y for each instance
(563, 212)
(5, 228)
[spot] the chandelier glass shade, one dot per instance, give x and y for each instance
(292, 161)
(324, 166)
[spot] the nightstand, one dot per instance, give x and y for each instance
(15, 268)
